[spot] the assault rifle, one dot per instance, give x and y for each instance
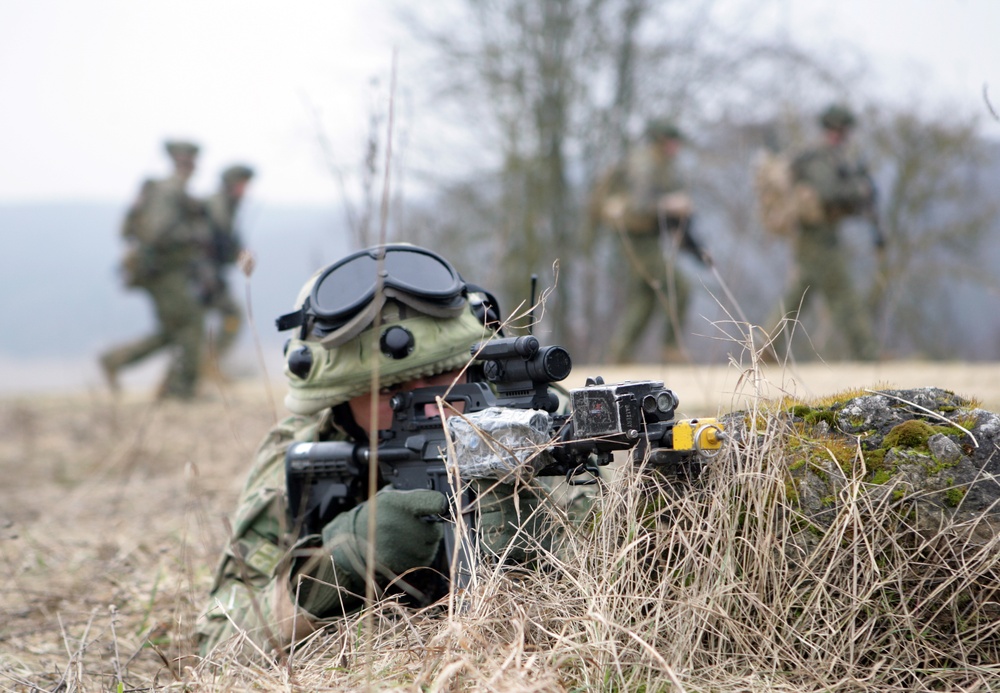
(509, 427)
(869, 210)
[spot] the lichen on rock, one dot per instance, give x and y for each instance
(928, 450)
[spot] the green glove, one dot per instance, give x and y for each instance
(404, 539)
(510, 523)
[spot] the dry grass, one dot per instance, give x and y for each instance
(111, 527)
(112, 523)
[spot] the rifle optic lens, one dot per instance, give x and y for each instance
(557, 363)
(665, 402)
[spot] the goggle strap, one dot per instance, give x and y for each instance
(489, 307)
(356, 325)
(290, 320)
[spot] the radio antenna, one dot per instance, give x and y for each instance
(531, 310)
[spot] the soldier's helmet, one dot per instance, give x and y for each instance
(181, 149)
(428, 320)
(237, 173)
(663, 129)
(837, 117)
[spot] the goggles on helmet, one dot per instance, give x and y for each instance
(346, 296)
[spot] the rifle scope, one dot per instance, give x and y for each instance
(520, 359)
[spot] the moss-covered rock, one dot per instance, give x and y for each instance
(927, 448)
(908, 434)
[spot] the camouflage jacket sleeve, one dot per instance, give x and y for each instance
(251, 594)
(837, 181)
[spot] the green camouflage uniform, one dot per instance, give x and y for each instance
(253, 588)
(649, 175)
(258, 589)
(843, 188)
(221, 209)
(169, 239)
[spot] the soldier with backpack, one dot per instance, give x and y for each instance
(166, 235)
(829, 186)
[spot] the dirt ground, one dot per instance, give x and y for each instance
(112, 509)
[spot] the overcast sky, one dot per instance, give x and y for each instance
(89, 88)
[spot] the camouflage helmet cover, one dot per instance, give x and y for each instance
(663, 129)
(237, 172)
(181, 148)
(342, 371)
(837, 117)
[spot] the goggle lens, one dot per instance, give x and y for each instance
(337, 291)
(346, 288)
(350, 284)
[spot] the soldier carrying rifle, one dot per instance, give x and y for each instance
(166, 236)
(644, 199)
(838, 186)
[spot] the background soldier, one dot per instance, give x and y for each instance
(225, 245)
(842, 187)
(653, 200)
(166, 235)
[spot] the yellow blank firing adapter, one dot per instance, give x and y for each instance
(703, 436)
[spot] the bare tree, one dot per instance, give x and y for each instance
(939, 207)
(560, 87)
(556, 91)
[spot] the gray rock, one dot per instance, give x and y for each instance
(944, 449)
(940, 472)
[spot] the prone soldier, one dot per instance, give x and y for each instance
(403, 316)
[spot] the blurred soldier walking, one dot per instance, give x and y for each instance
(166, 234)
(841, 187)
(647, 199)
(225, 246)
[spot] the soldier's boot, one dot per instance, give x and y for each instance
(177, 384)
(170, 390)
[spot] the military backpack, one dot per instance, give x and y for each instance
(782, 202)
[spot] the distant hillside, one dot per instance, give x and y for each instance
(61, 301)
